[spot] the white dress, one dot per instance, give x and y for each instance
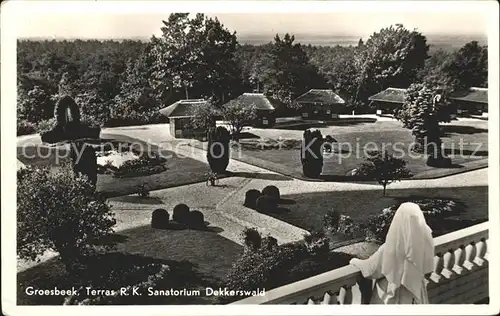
(399, 266)
(371, 269)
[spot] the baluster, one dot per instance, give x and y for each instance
(459, 260)
(345, 295)
(438, 266)
(448, 262)
(335, 298)
(487, 250)
(470, 254)
(328, 299)
(480, 252)
(357, 296)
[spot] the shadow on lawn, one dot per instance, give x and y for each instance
(447, 130)
(351, 122)
(277, 211)
(465, 152)
(139, 200)
(287, 202)
(247, 135)
(260, 175)
(302, 126)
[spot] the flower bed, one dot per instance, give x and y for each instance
(129, 162)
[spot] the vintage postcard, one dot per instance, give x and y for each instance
(250, 158)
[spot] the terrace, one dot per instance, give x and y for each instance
(460, 276)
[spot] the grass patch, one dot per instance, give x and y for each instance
(466, 145)
(197, 259)
(310, 208)
(179, 170)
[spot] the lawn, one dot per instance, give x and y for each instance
(196, 258)
(309, 208)
(466, 142)
(180, 170)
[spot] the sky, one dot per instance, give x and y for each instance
(76, 24)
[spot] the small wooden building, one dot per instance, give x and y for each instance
(320, 104)
(179, 115)
(388, 100)
(473, 101)
(266, 108)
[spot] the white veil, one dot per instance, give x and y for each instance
(408, 251)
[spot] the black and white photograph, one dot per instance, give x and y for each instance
(232, 155)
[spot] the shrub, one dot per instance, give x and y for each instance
(263, 268)
(317, 243)
(160, 218)
(272, 192)
(196, 220)
(273, 267)
(181, 214)
(143, 190)
(265, 204)
(46, 125)
(434, 210)
(311, 154)
(318, 264)
(331, 221)
(60, 211)
(25, 128)
(218, 149)
(348, 227)
(251, 197)
(252, 239)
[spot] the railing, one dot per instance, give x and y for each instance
(460, 276)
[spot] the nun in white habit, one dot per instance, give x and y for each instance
(400, 264)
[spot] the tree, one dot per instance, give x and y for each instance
(469, 66)
(238, 114)
(287, 71)
(60, 211)
(185, 55)
(204, 115)
(35, 105)
(422, 110)
(140, 98)
(392, 57)
(384, 168)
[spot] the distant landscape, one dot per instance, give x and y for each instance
(446, 42)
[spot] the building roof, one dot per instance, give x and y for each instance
(259, 100)
(473, 94)
(324, 96)
(181, 108)
(393, 95)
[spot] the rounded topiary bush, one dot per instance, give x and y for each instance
(273, 192)
(196, 220)
(160, 218)
(181, 213)
(251, 197)
(265, 204)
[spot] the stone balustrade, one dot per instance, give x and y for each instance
(460, 276)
